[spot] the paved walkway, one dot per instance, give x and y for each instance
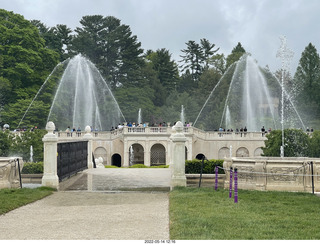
(93, 206)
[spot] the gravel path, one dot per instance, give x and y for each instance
(94, 206)
(90, 216)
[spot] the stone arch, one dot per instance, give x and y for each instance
(137, 156)
(200, 156)
(224, 152)
(258, 151)
(158, 155)
(242, 152)
(101, 152)
(116, 160)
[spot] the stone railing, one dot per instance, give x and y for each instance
(274, 173)
(66, 136)
(9, 172)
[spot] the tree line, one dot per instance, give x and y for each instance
(146, 79)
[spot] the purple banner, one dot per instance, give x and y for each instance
(230, 187)
(235, 185)
(216, 182)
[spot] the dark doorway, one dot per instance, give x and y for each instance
(116, 160)
(200, 156)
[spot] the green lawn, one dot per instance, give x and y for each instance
(14, 198)
(205, 214)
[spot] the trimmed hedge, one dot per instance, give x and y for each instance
(32, 168)
(194, 166)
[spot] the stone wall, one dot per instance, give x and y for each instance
(9, 172)
(274, 173)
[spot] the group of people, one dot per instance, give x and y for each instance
(70, 131)
(140, 125)
(309, 130)
(264, 131)
(231, 130)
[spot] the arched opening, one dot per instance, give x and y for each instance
(242, 152)
(200, 156)
(101, 152)
(224, 152)
(136, 154)
(186, 153)
(158, 155)
(258, 151)
(116, 160)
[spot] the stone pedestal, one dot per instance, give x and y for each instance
(50, 140)
(88, 136)
(178, 156)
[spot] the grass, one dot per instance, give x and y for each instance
(14, 198)
(205, 214)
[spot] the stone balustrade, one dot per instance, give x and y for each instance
(9, 172)
(275, 173)
(208, 135)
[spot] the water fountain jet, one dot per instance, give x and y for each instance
(81, 97)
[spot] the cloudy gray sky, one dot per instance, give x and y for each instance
(169, 24)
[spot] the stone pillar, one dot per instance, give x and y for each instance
(50, 140)
(147, 159)
(88, 137)
(227, 163)
(177, 166)
(126, 154)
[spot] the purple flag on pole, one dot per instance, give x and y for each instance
(230, 187)
(235, 185)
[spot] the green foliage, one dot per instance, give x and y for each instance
(132, 98)
(165, 68)
(138, 166)
(25, 62)
(314, 145)
(307, 82)
(5, 142)
(196, 57)
(13, 198)
(296, 143)
(111, 166)
(32, 168)
(235, 55)
(194, 166)
(111, 46)
(160, 166)
(21, 145)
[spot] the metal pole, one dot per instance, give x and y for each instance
(230, 185)
(94, 162)
(201, 171)
(19, 173)
(312, 179)
(282, 111)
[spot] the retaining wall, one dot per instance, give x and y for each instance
(274, 173)
(9, 172)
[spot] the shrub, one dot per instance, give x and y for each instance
(160, 166)
(32, 168)
(138, 166)
(194, 166)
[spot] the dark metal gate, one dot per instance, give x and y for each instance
(72, 157)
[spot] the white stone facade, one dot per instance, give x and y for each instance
(152, 142)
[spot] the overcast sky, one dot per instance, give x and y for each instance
(169, 24)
